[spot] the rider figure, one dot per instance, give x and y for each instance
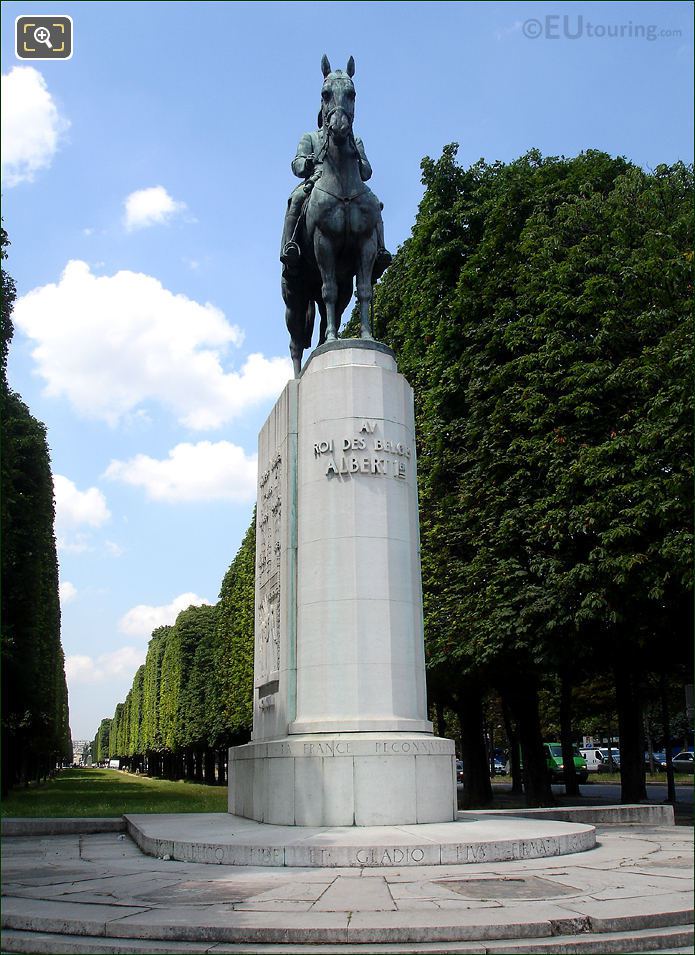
(307, 165)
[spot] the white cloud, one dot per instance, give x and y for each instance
(153, 206)
(192, 472)
(31, 125)
(140, 621)
(80, 668)
(110, 343)
(66, 592)
(75, 508)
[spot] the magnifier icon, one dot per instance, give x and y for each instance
(43, 35)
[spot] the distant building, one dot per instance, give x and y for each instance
(81, 751)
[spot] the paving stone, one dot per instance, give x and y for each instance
(38, 915)
(233, 926)
(469, 925)
(353, 895)
(647, 911)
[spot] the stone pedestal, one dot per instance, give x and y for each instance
(341, 735)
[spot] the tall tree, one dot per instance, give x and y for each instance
(35, 730)
(538, 309)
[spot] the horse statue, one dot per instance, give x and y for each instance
(333, 227)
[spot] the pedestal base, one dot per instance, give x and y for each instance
(473, 838)
(345, 779)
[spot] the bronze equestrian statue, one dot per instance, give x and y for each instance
(333, 227)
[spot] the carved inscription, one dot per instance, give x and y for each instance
(364, 452)
(413, 746)
(393, 856)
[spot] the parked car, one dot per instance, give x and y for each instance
(605, 764)
(553, 754)
(500, 766)
(659, 762)
(459, 773)
(683, 762)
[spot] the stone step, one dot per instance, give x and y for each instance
(486, 929)
(671, 940)
(67, 825)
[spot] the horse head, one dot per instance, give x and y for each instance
(337, 100)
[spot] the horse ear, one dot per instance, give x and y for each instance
(325, 66)
(351, 66)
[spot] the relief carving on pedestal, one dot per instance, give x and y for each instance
(268, 551)
(268, 643)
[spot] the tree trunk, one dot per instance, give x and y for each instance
(535, 769)
(650, 746)
(209, 775)
(189, 764)
(632, 783)
(477, 790)
(222, 767)
(439, 710)
(571, 781)
(666, 730)
(514, 756)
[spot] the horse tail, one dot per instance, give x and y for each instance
(309, 327)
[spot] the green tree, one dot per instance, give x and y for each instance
(538, 310)
(35, 720)
(234, 649)
(100, 745)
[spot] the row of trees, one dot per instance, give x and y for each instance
(35, 721)
(192, 698)
(540, 311)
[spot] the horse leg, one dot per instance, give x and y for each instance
(364, 283)
(296, 339)
(322, 324)
(325, 259)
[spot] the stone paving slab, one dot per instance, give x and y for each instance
(636, 879)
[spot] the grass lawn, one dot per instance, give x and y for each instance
(109, 792)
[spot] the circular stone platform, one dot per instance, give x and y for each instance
(231, 840)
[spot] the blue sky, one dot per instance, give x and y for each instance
(156, 162)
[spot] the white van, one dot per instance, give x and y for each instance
(114, 764)
(597, 759)
(593, 759)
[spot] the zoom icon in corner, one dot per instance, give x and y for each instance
(43, 38)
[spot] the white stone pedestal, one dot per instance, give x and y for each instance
(341, 735)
